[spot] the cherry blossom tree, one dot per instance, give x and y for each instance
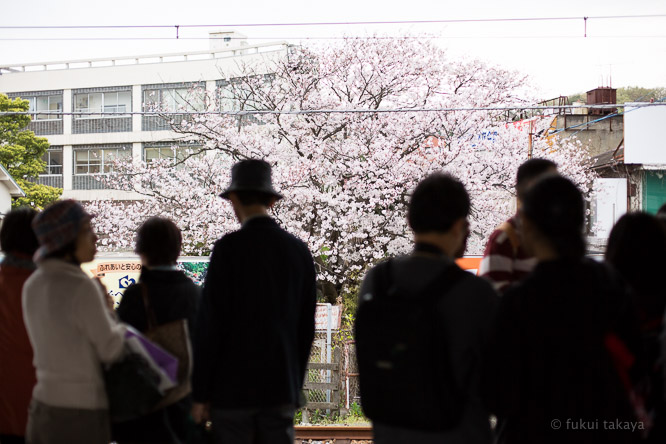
(346, 176)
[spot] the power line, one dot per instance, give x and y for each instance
(523, 36)
(326, 111)
(350, 23)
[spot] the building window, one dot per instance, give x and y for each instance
(151, 153)
(53, 159)
(99, 160)
(102, 102)
(45, 103)
(173, 99)
(166, 150)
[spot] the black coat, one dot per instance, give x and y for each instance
(256, 322)
(551, 378)
(172, 296)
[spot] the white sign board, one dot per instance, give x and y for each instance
(610, 204)
(321, 316)
(644, 140)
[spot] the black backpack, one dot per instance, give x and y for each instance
(405, 374)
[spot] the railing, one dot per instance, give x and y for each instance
(259, 48)
(89, 182)
(327, 380)
(52, 180)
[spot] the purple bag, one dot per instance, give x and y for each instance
(162, 361)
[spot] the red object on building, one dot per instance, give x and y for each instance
(602, 96)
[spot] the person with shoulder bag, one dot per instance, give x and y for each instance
(72, 331)
(162, 306)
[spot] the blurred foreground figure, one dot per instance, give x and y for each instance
(422, 327)
(637, 250)
(17, 375)
(169, 295)
(505, 260)
(256, 323)
(565, 337)
(72, 331)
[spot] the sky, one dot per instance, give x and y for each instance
(554, 54)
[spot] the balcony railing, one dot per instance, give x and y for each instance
(89, 182)
(52, 180)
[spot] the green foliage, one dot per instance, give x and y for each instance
(349, 295)
(628, 94)
(638, 94)
(578, 97)
(36, 195)
(21, 154)
(195, 271)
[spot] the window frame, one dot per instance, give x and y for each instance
(34, 112)
(103, 162)
(173, 93)
(48, 166)
(102, 106)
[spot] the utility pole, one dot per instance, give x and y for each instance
(529, 140)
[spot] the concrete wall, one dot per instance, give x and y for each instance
(597, 137)
(5, 199)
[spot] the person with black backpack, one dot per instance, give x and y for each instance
(422, 327)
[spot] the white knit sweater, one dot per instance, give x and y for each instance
(72, 333)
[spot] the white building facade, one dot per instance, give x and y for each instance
(83, 147)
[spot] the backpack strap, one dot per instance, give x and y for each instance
(383, 282)
(151, 320)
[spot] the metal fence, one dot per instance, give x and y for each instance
(332, 384)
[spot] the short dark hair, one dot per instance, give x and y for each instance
(16, 234)
(254, 197)
(159, 240)
(529, 171)
(436, 203)
(662, 210)
(636, 247)
(556, 207)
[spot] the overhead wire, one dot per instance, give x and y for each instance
(326, 111)
(343, 23)
(342, 37)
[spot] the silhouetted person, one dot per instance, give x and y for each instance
(256, 323)
(17, 374)
(172, 296)
(637, 249)
(422, 327)
(552, 375)
(505, 260)
(661, 214)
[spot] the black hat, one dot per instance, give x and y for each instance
(251, 175)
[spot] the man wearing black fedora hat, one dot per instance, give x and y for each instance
(256, 320)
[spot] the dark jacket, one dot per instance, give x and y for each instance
(551, 378)
(173, 296)
(256, 323)
(17, 374)
(465, 312)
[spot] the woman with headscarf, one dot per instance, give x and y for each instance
(17, 375)
(72, 331)
(552, 372)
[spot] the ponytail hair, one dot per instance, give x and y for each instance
(555, 206)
